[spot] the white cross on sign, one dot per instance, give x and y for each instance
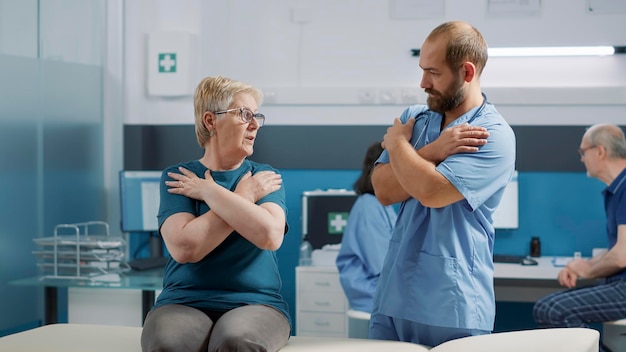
(337, 222)
(167, 62)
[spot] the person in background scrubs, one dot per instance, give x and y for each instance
(448, 163)
(603, 150)
(365, 239)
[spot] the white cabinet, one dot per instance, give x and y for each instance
(105, 306)
(320, 302)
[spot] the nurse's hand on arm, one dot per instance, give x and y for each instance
(463, 138)
(416, 175)
(386, 186)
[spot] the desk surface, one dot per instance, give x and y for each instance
(153, 279)
(149, 280)
(544, 270)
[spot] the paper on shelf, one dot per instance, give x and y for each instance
(324, 257)
(561, 261)
(112, 277)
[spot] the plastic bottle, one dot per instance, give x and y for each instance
(535, 247)
(305, 252)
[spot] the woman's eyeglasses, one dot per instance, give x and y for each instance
(246, 115)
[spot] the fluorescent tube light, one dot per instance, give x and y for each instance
(553, 51)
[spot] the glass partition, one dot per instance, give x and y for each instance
(51, 135)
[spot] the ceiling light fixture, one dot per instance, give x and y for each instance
(551, 51)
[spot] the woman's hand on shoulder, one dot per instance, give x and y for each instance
(257, 186)
(189, 184)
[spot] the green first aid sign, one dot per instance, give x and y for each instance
(167, 62)
(337, 223)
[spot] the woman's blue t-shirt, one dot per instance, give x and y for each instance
(234, 274)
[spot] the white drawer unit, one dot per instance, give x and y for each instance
(320, 302)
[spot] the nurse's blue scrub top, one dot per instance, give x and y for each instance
(439, 269)
(363, 248)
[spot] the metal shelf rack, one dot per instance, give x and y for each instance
(80, 251)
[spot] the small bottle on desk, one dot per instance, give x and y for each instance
(306, 250)
(535, 247)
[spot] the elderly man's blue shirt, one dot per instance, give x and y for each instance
(615, 207)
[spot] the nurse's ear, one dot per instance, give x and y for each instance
(468, 71)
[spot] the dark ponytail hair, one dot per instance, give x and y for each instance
(364, 183)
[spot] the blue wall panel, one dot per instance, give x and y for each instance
(565, 210)
(296, 182)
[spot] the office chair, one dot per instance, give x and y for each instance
(358, 324)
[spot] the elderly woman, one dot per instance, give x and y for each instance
(222, 219)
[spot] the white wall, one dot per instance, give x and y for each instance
(67, 34)
(18, 17)
(53, 30)
(314, 59)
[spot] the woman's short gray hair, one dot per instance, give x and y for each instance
(216, 94)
